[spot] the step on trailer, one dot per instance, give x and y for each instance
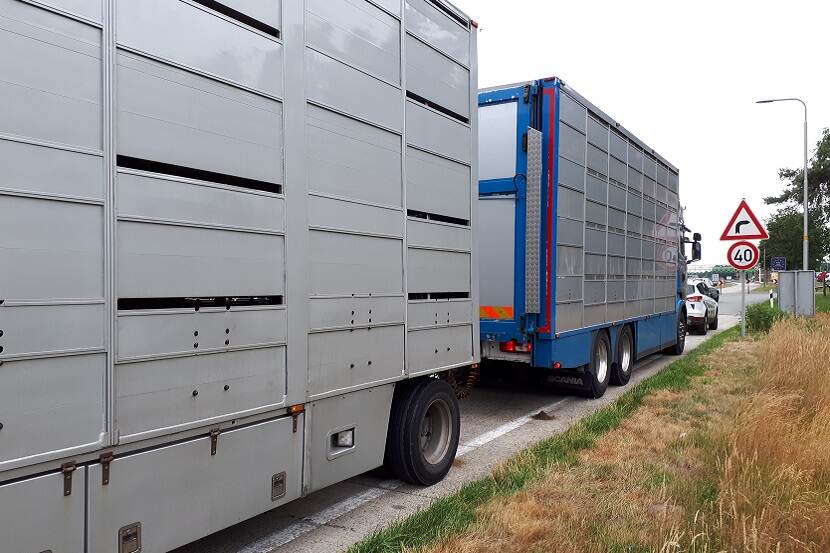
(237, 249)
(581, 239)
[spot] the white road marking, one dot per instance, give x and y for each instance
(307, 524)
(500, 431)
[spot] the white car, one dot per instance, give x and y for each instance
(709, 288)
(701, 309)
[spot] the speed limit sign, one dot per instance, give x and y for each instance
(743, 255)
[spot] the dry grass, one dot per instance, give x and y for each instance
(740, 462)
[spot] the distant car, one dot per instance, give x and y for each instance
(701, 309)
(708, 288)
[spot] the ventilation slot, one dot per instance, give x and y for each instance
(437, 218)
(440, 296)
(146, 304)
(451, 13)
(436, 107)
(239, 16)
(127, 162)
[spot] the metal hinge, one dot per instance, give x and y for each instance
(214, 440)
(294, 422)
(526, 94)
(67, 469)
(106, 459)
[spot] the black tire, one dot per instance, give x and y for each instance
(597, 375)
(703, 328)
(680, 344)
(424, 428)
(714, 324)
(624, 360)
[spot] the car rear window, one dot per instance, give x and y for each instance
(690, 289)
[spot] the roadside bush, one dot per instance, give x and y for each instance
(760, 317)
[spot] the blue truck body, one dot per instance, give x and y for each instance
(580, 230)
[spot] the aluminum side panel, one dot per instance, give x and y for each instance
(351, 159)
(366, 413)
(157, 261)
(437, 133)
(36, 516)
(157, 397)
(434, 27)
(169, 115)
(433, 76)
(50, 249)
(437, 185)
(51, 88)
(358, 33)
(181, 492)
(189, 35)
(50, 407)
(333, 83)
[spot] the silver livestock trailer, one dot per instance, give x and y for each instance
(236, 249)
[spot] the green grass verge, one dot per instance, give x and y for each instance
(452, 514)
(823, 303)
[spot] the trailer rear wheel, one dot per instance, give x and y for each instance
(625, 358)
(423, 431)
(599, 369)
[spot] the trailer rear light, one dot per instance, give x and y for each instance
(557, 365)
(296, 409)
(694, 298)
(515, 347)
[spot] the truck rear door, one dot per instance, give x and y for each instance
(508, 213)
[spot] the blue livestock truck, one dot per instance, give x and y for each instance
(581, 239)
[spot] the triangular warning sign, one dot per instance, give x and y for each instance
(744, 225)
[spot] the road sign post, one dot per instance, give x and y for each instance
(743, 255)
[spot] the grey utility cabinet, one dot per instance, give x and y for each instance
(227, 229)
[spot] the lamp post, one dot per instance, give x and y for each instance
(806, 242)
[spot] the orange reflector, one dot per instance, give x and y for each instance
(503, 312)
(294, 409)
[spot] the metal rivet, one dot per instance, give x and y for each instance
(196, 333)
(227, 387)
(195, 393)
(1, 426)
(227, 331)
(436, 351)
(195, 345)
(1, 333)
(227, 342)
(352, 321)
(351, 366)
(1, 349)
(370, 362)
(448, 349)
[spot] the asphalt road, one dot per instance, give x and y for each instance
(508, 411)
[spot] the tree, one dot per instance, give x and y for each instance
(785, 235)
(818, 182)
(785, 227)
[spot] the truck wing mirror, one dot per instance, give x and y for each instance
(696, 250)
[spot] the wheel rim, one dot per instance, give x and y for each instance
(435, 431)
(681, 332)
(625, 353)
(602, 362)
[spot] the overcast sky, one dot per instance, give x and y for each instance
(683, 77)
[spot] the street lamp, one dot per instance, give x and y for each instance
(806, 242)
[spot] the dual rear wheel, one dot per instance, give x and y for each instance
(603, 369)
